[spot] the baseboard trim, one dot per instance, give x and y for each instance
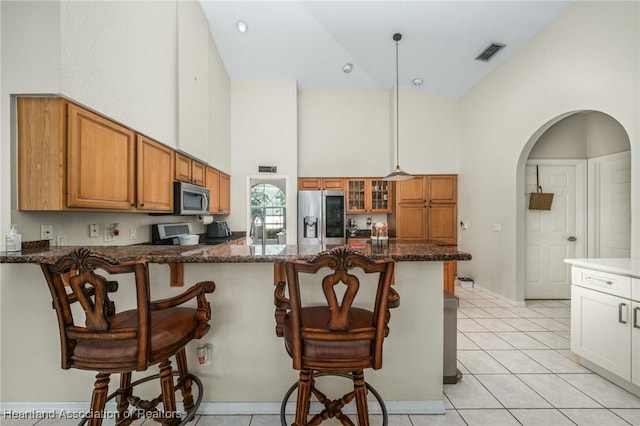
(42, 410)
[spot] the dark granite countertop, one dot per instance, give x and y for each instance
(402, 252)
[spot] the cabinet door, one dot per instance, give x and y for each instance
(412, 190)
(411, 221)
(100, 162)
(379, 196)
(183, 168)
(443, 189)
(155, 176)
(212, 181)
(443, 219)
(635, 343)
(357, 195)
(309, 184)
(601, 330)
(41, 148)
(225, 193)
(197, 173)
(333, 184)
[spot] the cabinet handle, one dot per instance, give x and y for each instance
(635, 317)
(602, 280)
(620, 305)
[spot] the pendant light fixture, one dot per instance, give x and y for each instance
(398, 173)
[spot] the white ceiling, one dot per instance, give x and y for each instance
(310, 41)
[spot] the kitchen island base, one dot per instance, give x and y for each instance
(249, 370)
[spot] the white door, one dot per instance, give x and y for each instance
(556, 234)
(610, 205)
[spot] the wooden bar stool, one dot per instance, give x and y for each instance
(107, 341)
(337, 337)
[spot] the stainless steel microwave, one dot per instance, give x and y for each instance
(190, 199)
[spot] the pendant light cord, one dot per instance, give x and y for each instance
(397, 110)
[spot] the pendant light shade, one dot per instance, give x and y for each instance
(398, 173)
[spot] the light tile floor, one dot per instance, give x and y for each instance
(517, 370)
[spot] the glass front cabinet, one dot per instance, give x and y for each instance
(368, 195)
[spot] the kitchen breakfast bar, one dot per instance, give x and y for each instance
(249, 370)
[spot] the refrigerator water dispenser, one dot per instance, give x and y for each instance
(310, 227)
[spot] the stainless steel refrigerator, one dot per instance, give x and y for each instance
(321, 217)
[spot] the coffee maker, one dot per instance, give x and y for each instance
(352, 227)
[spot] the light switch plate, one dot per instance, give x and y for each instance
(93, 231)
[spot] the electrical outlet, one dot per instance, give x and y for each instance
(108, 237)
(61, 240)
(93, 231)
(46, 232)
(132, 234)
(204, 354)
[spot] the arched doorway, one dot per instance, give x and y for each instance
(584, 159)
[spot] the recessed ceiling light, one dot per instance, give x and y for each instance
(417, 81)
(242, 26)
(347, 68)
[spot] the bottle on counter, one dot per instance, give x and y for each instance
(13, 241)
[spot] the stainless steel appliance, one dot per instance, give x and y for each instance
(169, 233)
(321, 217)
(218, 229)
(190, 199)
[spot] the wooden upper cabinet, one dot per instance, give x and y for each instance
(154, 176)
(309, 184)
(197, 173)
(219, 185)
(183, 167)
(100, 162)
(412, 190)
(189, 170)
(316, 184)
(443, 188)
(41, 153)
(368, 195)
(333, 184)
(225, 193)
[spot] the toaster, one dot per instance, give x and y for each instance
(218, 229)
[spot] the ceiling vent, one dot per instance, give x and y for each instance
(490, 51)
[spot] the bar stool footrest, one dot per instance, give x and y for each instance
(287, 395)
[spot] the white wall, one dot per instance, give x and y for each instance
(352, 133)
(219, 111)
(502, 117)
(429, 133)
(120, 59)
(343, 133)
(584, 135)
(264, 131)
(193, 80)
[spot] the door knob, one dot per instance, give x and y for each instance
(571, 239)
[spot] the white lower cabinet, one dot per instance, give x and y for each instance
(601, 331)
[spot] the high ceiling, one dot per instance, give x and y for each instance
(311, 41)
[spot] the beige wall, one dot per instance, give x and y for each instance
(503, 116)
